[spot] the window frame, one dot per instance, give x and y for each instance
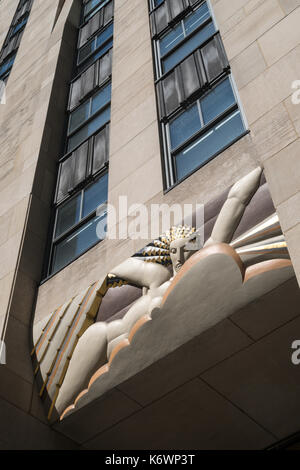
(168, 155)
(90, 161)
(159, 74)
(93, 11)
(82, 221)
(89, 101)
(15, 36)
(93, 174)
(153, 6)
(85, 123)
(11, 56)
(23, 17)
(82, 64)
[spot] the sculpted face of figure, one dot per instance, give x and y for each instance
(178, 254)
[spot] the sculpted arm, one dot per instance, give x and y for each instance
(234, 208)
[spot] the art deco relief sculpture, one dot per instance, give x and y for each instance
(184, 292)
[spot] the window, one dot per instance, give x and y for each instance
(80, 202)
(13, 38)
(93, 126)
(209, 144)
(98, 46)
(201, 113)
(215, 120)
(174, 39)
(96, 106)
(19, 25)
(156, 3)
(198, 106)
(6, 66)
(89, 108)
(92, 7)
(80, 223)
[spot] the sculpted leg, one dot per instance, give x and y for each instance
(89, 356)
(120, 329)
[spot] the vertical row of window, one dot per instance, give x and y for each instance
(82, 186)
(11, 44)
(198, 105)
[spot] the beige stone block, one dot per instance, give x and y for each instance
(14, 389)
(252, 27)
(231, 22)
(126, 67)
(16, 191)
(134, 154)
(272, 132)
(191, 416)
(136, 186)
(23, 298)
(185, 363)
(126, 98)
(8, 254)
(294, 113)
(5, 289)
(271, 87)
(292, 238)
(4, 227)
(18, 216)
(289, 212)
(282, 38)
(262, 380)
(252, 5)
(132, 124)
(18, 348)
(289, 5)
(20, 431)
(282, 173)
(126, 45)
(102, 414)
(126, 23)
(248, 65)
(224, 9)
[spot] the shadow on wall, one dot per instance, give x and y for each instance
(58, 11)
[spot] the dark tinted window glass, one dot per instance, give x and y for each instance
(101, 99)
(187, 47)
(79, 116)
(78, 242)
(183, 127)
(95, 195)
(217, 101)
(212, 142)
(89, 129)
(68, 215)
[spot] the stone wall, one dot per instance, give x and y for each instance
(30, 130)
(262, 41)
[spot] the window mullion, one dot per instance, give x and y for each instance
(200, 113)
(81, 205)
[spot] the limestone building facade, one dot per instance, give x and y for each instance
(164, 102)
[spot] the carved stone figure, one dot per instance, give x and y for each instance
(168, 270)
